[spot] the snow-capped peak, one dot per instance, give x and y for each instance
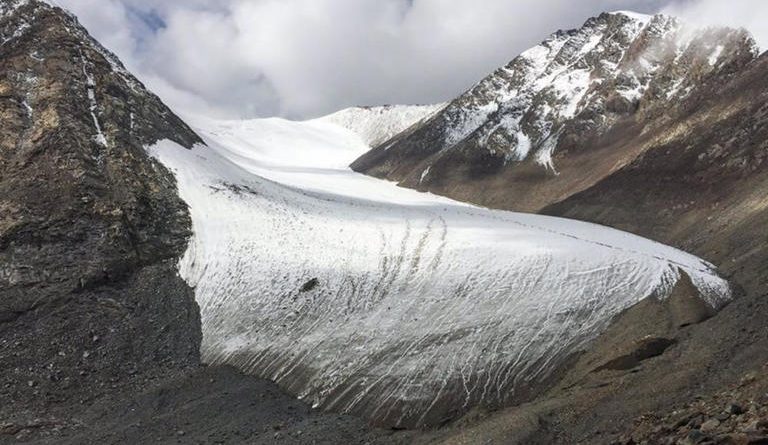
(637, 16)
(574, 84)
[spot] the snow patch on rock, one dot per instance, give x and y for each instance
(643, 19)
(93, 106)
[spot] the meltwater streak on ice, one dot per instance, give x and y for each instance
(425, 307)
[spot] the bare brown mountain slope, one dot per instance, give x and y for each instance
(701, 182)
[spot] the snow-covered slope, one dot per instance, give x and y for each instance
(363, 297)
(9, 6)
(574, 85)
(379, 124)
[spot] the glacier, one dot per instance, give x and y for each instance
(407, 308)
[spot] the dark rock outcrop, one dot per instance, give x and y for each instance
(90, 227)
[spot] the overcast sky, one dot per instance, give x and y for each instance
(304, 58)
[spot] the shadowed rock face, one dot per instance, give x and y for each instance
(90, 227)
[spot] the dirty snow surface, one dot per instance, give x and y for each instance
(359, 296)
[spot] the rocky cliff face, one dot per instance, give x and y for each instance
(502, 142)
(90, 227)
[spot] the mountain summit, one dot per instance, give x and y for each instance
(558, 97)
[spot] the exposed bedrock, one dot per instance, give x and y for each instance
(91, 228)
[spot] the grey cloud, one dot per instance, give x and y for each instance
(302, 58)
(749, 14)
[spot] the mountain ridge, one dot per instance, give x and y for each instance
(556, 98)
(377, 124)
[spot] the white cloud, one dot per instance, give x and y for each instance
(749, 14)
(300, 58)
